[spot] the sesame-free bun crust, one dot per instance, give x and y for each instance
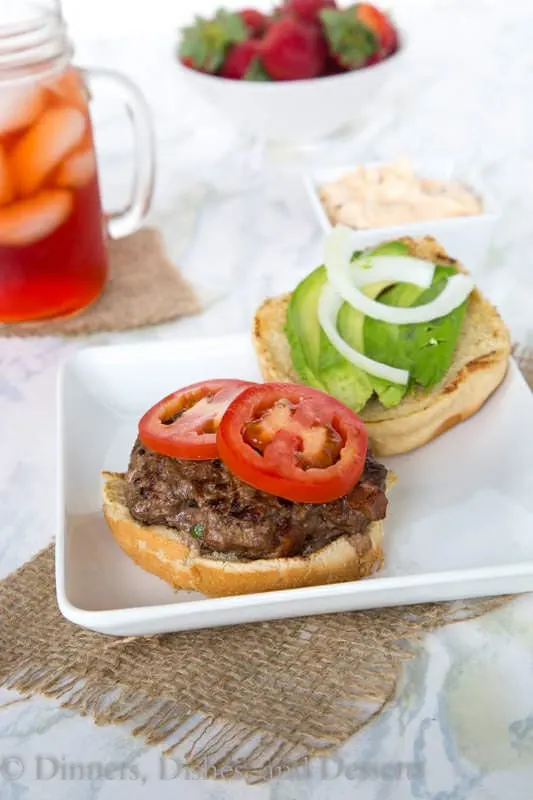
(178, 561)
(479, 366)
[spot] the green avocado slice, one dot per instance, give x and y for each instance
(314, 358)
(350, 324)
(302, 328)
(424, 349)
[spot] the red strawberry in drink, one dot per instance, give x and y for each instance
(239, 59)
(308, 10)
(293, 50)
(254, 20)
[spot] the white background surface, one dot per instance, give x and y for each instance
(237, 220)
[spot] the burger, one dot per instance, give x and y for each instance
(235, 488)
(398, 333)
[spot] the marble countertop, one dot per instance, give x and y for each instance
(235, 218)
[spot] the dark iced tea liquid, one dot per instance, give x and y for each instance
(52, 245)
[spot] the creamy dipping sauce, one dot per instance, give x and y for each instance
(388, 195)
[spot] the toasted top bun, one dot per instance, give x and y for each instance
(177, 559)
(479, 366)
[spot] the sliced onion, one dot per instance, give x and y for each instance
(328, 310)
(400, 269)
(338, 265)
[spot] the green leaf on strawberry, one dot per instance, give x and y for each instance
(205, 44)
(350, 41)
(257, 72)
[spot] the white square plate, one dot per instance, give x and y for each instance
(464, 238)
(460, 520)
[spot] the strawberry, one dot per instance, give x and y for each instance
(239, 59)
(204, 44)
(308, 10)
(257, 72)
(293, 50)
(380, 24)
(351, 42)
(254, 20)
(375, 59)
(333, 67)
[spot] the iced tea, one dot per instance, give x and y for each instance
(52, 243)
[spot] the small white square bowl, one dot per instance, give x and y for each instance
(464, 238)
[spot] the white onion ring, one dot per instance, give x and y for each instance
(339, 268)
(328, 310)
(399, 269)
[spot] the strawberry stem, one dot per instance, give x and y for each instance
(206, 43)
(350, 40)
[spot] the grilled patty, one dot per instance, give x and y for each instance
(204, 500)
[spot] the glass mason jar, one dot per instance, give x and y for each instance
(53, 255)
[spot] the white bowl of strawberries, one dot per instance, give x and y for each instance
(300, 73)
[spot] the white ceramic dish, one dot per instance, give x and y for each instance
(460, 520)
(465, 238)
(294, 110)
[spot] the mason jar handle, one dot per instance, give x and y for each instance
(114, 84)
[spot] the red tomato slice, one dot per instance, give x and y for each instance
(293, 442)
(184, 424)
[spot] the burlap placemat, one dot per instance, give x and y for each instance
(249, 700)
(144, 288)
